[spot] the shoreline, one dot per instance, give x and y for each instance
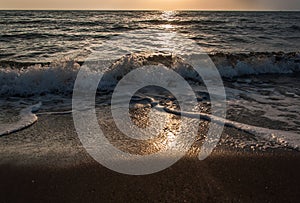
(47, 163)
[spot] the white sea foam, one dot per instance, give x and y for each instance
(37, 79)
(258, 63)
(283, 138)
(59, 78)
(27, 118)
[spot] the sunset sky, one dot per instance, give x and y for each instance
(153, 4)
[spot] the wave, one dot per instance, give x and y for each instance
(235, 65)
(38, 79)
(283, 138)
(27, 79)
(184, 22)
(27, 119)
(71, 37)
(295, 27)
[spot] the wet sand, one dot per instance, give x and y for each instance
(46, 163)
(220, 178)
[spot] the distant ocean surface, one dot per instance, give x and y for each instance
(256, 53)
(47, 35)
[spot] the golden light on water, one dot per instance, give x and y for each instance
(171, 140)
(168, 16)
(167, 26)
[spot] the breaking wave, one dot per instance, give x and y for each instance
(17, 79)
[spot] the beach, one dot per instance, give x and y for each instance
(149, 106)
(52, 166)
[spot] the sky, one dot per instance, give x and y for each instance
(153, 4)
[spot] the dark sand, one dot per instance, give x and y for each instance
(47, 164)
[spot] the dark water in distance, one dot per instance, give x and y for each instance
(46, 35)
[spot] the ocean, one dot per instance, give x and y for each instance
(256, 54)
(42, 36)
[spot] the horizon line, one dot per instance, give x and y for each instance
(75, 9)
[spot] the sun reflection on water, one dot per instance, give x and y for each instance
(168, 16)
(167, 26)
